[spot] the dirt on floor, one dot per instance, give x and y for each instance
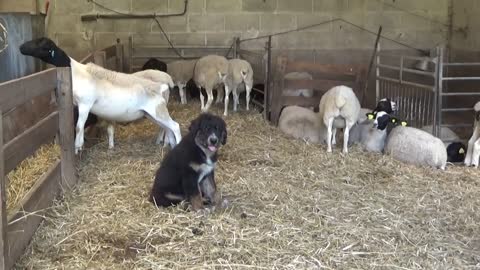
(291, 206)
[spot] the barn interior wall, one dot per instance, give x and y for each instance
(217, 22)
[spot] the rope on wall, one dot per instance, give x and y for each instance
(3, 38)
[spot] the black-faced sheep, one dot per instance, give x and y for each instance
(473, 149)
(154, 63)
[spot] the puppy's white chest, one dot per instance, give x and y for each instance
(203, 169)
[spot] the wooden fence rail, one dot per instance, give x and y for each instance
(18, 226)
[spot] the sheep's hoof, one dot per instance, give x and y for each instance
(329, 150)
(225, 114)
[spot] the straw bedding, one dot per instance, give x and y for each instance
(291, 206)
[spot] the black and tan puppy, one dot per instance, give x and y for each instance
(187, 171)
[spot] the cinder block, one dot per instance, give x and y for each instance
(305, 40)
(149, 39)
(223, 6)
(242, 22)
(117, 5)
(295, 6)
(259, 5)
(256, 44)
(72, 7)
(192, 39)
(132, 25)
(414, 23)
(310, 19)
(74, 44)
(206, 23)
(221, 39)
(389, 20)
(150, 6)
(269, 22)
(329, 5)
(357, 4)
(100, 25)
(66, 23)
(103, 40)
(194, 6)
(171, 24)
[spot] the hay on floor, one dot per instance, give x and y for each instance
(24, 176)
(291, 205)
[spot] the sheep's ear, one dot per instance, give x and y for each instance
(370, 116)
(461, 150)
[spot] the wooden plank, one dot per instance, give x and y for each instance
(22, 117)
(300, 101)
(87, 59)
(311, 67)
(3, 204)
(322, 85)
(25, 219)
(110, 51)
(28, 142)
(21, 90)
(119, 48)
(100, 58)
(66, 127)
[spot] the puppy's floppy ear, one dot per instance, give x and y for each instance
(224, 136)
(194, 125)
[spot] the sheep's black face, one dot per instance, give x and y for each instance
(209, 131)
(46, 50)
(456, 152)
(382, 119)
(386, 105)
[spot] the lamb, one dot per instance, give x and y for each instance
(339, 102)
(302, 123)
(181, 72)
(415, 146)
(239, 71)
(210, 71)
(371, 134)
(385, 105)
(154, 63)
(298, 92)
(473, 148)
(110, 95)
(455, 148)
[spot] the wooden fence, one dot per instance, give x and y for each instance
(18, 226)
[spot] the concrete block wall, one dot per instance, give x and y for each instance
(216, 22)
(465, 43)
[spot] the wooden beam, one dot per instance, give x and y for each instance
(110, 51)
(119, 63)
(25, 219)
(21, 90)
(66, 127)
(24, 145)
(100, 58)
(3, 204)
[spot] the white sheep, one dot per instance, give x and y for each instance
(302, 123)
(239, 71)
(298, 92)
(181, 72)
(110, 95)
(339, 102)
(415, 146)
(210, 72)
(473, 148)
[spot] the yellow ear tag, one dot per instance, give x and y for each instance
(461, 151)
(404, 123)
(370, 116)
(394, 120)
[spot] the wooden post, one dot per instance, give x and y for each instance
(130, 55)
(66, 127)
(119, 57)
(266, 86)
(3, 204)
(100, 58)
